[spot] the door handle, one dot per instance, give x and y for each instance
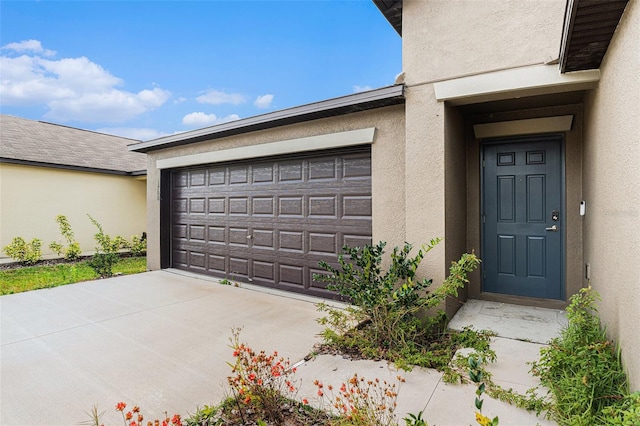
(553, 228)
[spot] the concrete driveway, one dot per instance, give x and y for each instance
(158, 340)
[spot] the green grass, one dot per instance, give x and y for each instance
(36, 277)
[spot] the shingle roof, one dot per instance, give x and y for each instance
(36, 142)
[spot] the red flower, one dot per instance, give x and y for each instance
(136, 409)
(252, 377)
(305, 401)
(176, 420)
(120, 406)
(133, 424)
(129, 415)
(320, 393)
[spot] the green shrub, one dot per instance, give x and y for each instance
(24, 252)
(107, 251)
(138, 244)
(393, 315)
(72, 251)
(583, 369)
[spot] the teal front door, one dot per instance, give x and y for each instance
(523, 217)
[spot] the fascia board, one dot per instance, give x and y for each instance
(513, 83)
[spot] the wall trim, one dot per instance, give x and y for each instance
(290, 146)
(523, 127)
(513, 83)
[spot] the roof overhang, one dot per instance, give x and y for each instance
(363, 101)
(21, 162)
(588, 28)
(392, 10)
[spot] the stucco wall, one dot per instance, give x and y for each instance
(32, 197)
(425, 176)
(611, 176)
(442, 39)
(455, 195)
(388, 177)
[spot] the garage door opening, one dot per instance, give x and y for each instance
(268, 221)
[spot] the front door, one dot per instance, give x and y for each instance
(523, 217)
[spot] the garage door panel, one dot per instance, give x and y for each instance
(217, 206)
(217, 263)
(239, 206)
(238, 174)
(271, 222)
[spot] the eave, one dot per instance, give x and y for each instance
(392, 10)
(378, 98)
(588, 28)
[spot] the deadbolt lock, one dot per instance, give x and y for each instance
(555, 215)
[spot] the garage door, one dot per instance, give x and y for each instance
(270, 222)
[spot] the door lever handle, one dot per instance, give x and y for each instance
(553, 228)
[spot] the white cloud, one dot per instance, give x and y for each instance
(201, 119)
(180, 100)
(216, 97)
(357, 88)
(141, 134)
(263, 101)
(71, 88)
(114, 106)
(29, 46)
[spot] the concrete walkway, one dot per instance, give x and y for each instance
(160, 340)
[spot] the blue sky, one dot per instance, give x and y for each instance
(144, 69)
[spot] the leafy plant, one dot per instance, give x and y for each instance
(583, 370)
(259, 380)
(362, 402)
(107, 251)
(138, 244)
(393, 315)
(415, 420)
(72, 250)
(477, 376)
(24, 252)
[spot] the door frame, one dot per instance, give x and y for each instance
(561, 140)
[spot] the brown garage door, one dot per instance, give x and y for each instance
(270, 222)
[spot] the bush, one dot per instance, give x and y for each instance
(107, 251)
(72, 251)
(138, 244)
(25, 253)
(393, 315)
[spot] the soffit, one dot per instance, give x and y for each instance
(392, 10)
(588, 28)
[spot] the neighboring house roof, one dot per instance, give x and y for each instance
(38, 143)
(588, 28)
(378, 98)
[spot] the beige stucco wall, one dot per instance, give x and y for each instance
(425, 174)
(442, 39)
(611, 176)
(32, 197)
(388, 177)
